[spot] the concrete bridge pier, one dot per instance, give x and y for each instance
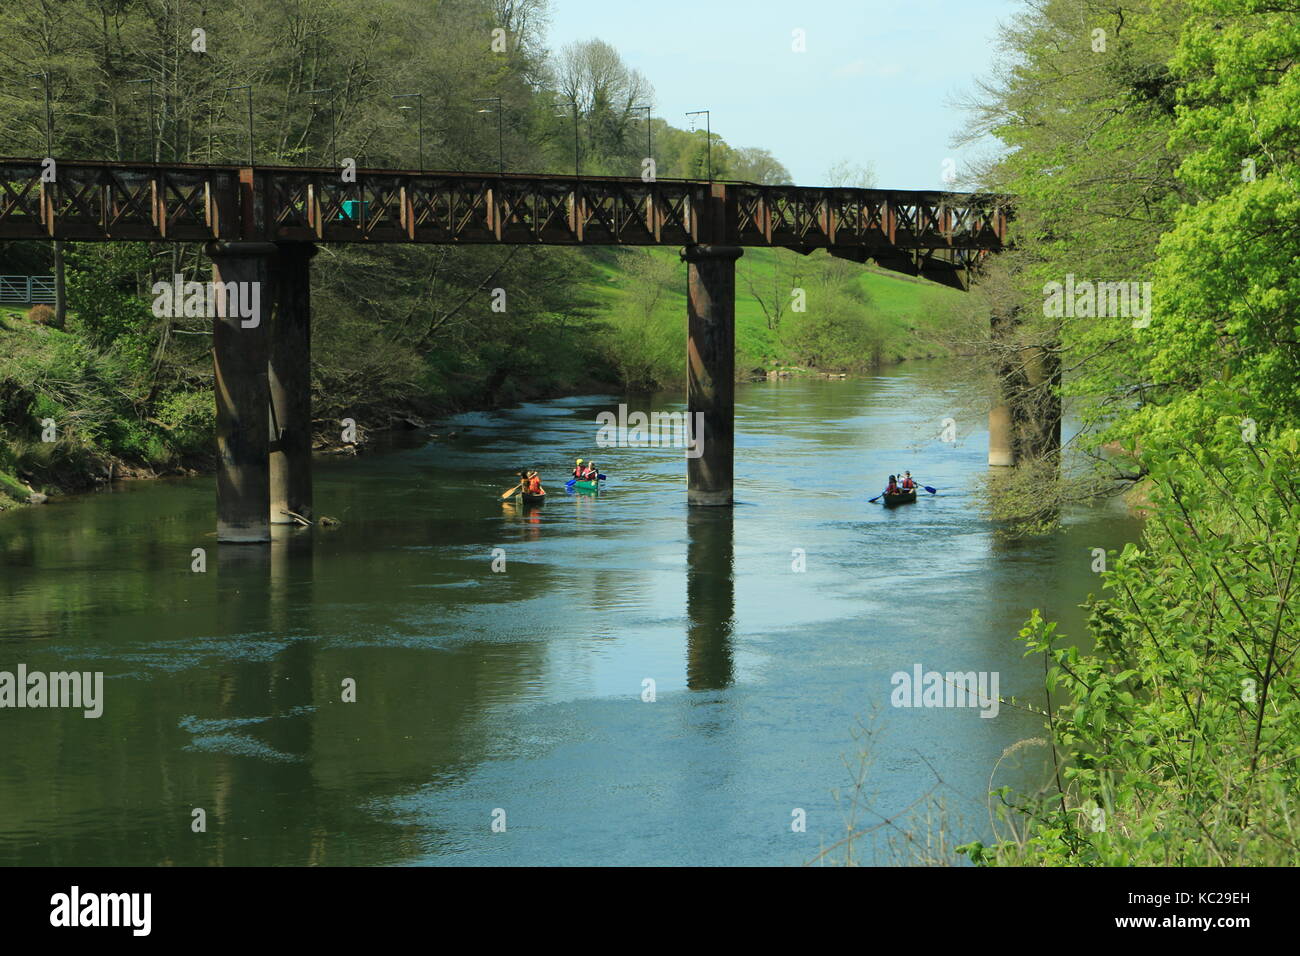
(1002, 453)
(1002, 427)
(1025, 421)
(711, 371)
(289, 376)
(239, 358)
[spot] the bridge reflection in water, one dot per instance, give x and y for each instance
(710, 598)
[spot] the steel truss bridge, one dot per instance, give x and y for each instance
(936, 234)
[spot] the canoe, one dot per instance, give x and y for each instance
(586, 486)
(532, 499)
(902, 498)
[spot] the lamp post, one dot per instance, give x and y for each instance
(249, 87)
(708, 139)
(649, 147)
(153, 122)
(49, 110)
(334, 153)
(560, 111)
(419, 97)
(501, 153)
(60, 293)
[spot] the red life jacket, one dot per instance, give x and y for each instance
(908, 484)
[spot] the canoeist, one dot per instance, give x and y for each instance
(908, 484)
(533, 484)
(892, 487)
(592, 473)
(579, 470)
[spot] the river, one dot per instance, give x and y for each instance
(519, 696)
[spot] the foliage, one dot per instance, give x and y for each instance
(1182, 727)
(1171, 154)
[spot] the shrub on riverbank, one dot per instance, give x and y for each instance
(1176, 736)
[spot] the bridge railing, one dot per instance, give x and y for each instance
(94, 201)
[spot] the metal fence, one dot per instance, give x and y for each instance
(27, 289)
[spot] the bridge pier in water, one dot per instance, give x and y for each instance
(1001, 448)
(240, 351)
(262, 379)
(289, 375)
(1025, 420)
(711, 370)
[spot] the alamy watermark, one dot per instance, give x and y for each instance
(655, 430)
(75, 689)
(210, 300)
(952, 689)
(1088, 299)
(77, 909)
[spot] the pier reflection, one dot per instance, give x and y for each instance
(710, 598)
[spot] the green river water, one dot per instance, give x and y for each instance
(521, 690)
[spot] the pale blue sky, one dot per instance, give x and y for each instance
(877, 81)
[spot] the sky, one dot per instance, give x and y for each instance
(878, 81)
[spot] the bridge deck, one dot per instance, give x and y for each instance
(102, 201)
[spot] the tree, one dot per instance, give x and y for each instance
(757, 165)
(847, 173)
(591, 76)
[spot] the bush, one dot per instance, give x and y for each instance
(836, 333)
(190, 418)
(1176, 734)
(41, 315)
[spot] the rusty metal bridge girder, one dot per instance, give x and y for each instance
(912, 231)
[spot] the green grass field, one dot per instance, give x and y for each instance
(905, 314)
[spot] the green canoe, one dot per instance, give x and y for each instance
(586, 486)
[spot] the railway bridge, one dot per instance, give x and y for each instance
(261, 224)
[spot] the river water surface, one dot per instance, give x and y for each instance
(519, 696)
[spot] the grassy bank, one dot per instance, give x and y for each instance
(811, 312)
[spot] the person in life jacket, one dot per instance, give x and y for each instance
(892, 487)
(579, 470)
(908, 484)
(591, 473)
(533, 484)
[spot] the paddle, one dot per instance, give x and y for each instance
(872, 501)
(512, 491)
